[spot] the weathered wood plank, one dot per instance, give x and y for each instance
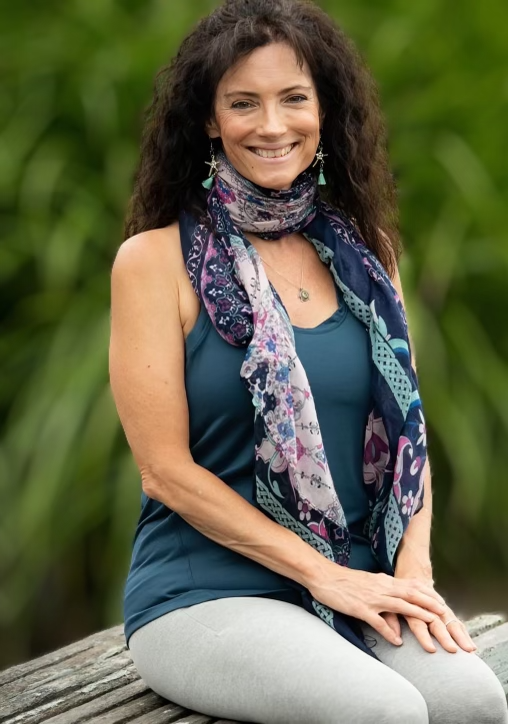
(121, 696)
(96, 643)
(95, 680)
(480, 624)
(162, 715)
(493, 649)
(198, 719)
(138, 708)
(65, 688)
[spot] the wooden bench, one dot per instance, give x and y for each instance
(95, 680)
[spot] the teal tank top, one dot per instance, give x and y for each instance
(173, 565)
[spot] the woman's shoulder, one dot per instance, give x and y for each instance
(153, 252)
(156, 256)
(152, 245)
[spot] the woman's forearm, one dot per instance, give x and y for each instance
(218, 512)
(414, 547)
(224, 516)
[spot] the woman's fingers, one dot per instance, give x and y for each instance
(379, 624)
(464, 637)
(425, 600)
(430, 591)
(451, 635)
(399, 605)
(404, 586)
(448, 637)
(421, 631)
(393, 621)
(419, 593)
(441, 633)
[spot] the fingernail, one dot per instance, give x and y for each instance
(398, 640)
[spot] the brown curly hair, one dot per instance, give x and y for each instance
(175, 145)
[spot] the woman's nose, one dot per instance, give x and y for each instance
(272, 122)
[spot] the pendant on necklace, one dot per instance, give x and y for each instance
(304, 295)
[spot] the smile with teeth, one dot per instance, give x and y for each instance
(273, 153)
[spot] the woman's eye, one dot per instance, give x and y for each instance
(240, 104)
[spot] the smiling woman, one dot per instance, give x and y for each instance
(268, 117)
(176, 144)
(281, 556)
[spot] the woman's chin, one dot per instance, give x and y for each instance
(277, 179)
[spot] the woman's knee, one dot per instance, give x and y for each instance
(402, 704)
(385, 698)
(473, 696)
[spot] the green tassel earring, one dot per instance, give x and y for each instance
(208, 182)
(320, 159)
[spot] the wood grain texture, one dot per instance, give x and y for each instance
(493, 649)
(95, 680)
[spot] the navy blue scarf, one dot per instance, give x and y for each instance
(291, 469)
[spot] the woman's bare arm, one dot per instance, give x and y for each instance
(147, 380)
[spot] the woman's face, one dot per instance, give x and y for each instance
(268, 117)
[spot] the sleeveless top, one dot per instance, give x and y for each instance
(173, 565)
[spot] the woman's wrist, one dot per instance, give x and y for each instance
(321, 574)
(411, 565)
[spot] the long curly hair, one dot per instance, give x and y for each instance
(175, 145)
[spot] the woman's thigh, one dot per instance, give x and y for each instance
(267, 661)
(457, 687)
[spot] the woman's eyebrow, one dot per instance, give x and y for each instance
(256, 95)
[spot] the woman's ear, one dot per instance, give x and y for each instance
(212, 129)
(321, 117)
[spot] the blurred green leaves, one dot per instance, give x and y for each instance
(77, 78)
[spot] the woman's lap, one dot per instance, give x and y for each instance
(267, 661)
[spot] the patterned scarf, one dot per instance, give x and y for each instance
(293, 481)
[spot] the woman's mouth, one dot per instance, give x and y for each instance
(272, 152)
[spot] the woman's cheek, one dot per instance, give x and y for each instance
(233, 127)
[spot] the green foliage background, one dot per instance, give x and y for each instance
(77, 78)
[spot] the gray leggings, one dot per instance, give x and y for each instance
(267, 661)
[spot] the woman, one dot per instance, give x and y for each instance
(261, 367)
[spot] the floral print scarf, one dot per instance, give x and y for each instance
(291, 468)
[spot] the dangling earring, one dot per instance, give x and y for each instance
(320, 159)
(208, 182)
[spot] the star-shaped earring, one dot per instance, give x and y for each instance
(213, 166)
(214, 169)
(319, 155)
(320, 159)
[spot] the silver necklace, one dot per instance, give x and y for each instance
(303, 294)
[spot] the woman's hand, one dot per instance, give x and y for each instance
(367, 595)
(448, 636)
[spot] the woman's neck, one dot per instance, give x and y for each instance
(282, 248)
